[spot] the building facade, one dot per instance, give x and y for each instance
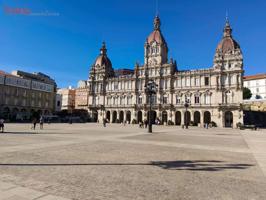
(257, 85)
(22, 94)
(66, 99)
(214, 94)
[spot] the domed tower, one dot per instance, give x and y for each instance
(100, 71)
(155, 48)
(228, 54)
(102, 67)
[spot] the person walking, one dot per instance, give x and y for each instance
(41, 122)
(2, 126)
(34, 122)
(104, 122)
(146, 123)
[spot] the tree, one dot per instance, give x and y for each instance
(246, 93)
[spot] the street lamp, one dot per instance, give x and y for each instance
(150, 89)
(186, 114)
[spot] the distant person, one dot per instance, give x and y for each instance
(2, 126)
(104, 122)
(146, 123)
(41, 122)
(34, 122)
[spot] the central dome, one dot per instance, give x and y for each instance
(156, 35)
(228, 44)
(102, 59)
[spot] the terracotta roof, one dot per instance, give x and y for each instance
(227, 44)
(103, 60)
(254, 77)
(157, 36)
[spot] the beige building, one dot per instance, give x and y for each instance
(67, 96)
(22, 94)
(214, 94)
(257, 85)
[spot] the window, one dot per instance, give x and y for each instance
(197, 99)
(187, 81)
(58, 103)
(115, 86)
(206, 81)
(257, 90)
(178, 99)
(197, 82)
(164, 100)
(165, 84)
(140, 100)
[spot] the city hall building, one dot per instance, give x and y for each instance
(213, 94)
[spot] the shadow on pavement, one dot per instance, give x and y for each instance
(196, 165)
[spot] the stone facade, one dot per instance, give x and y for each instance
(22, 94)
(213, 94)
(67, 97)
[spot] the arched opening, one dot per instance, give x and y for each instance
(114, 117)
(153, 116)
(128, 117)
(196, 118)
(187, 118)
(164, 117)
(23, 114)
(94, 117)
(207, 117)
(178, 118)
(121, 116)
(14, 114)
(139, 116)
(6, 113)
(228, 119)
(108, 116)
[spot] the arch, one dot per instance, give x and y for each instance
(153, 116)
(187, 118)
(23, 113)
(207, 117)
(108, 116)
(196, 118)
(121, 116)
(128, 116)
(139, 119)
(94, 117)
(178, 118)
(114, 117)
(228, 119)
(164, 117)
(6, 113)
(14, 113)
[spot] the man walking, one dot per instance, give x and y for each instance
(41, 122)
(2, 125)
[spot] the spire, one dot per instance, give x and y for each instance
(227, 28)
(103, 49)
(157, 23)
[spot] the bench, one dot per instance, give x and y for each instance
(252, 127)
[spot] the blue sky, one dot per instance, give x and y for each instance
(66, 43)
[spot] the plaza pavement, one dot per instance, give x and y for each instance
(88, 161)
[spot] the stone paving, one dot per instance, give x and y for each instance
(88, 161)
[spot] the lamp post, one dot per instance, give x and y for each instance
(150, 89)
(186, 117)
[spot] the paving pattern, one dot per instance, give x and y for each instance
(90, 162)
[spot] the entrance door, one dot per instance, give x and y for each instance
(228, 119)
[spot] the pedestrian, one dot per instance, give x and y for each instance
(2, 126)
(146, 123)
(34, 122)
(104, 122)
(41, 122)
